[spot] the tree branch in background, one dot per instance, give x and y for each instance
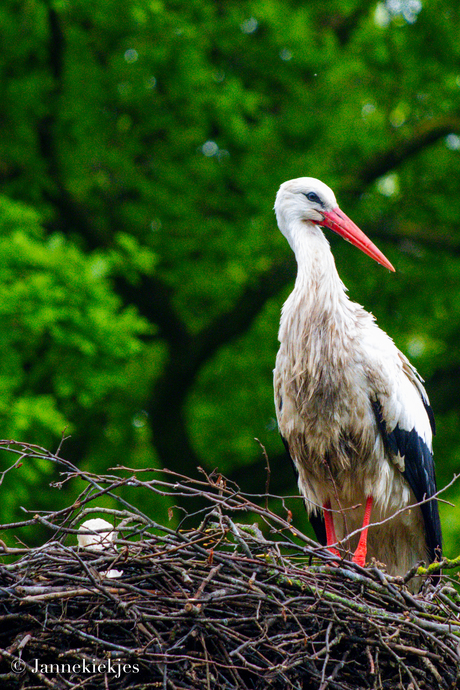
(426, 134)
(239, 318)
(153, 298)
(344, 26)
(46, 126)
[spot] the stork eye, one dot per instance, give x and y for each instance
(312, 196)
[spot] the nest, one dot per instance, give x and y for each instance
(214, 603)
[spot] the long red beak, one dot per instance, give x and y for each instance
(340, 223)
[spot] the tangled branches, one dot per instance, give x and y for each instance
(213, 603)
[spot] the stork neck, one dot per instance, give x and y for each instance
(318, 321)
(318, 284)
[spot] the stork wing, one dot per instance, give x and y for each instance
(406, 423)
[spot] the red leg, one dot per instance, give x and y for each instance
(361, 550)
(330, 529)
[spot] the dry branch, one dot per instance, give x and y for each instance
(214, 603)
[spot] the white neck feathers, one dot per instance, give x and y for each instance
(317, 319)
(318, 286)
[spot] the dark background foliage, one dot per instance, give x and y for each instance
(142, 272)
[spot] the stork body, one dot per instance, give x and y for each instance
(351, 409)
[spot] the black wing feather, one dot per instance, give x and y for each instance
(419, 472)
(319, 527)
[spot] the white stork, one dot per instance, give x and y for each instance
(352, 410)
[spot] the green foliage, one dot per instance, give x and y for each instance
(65, 337)
(64, 334)
(142, 272)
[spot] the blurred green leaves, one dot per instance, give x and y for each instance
(64, 332)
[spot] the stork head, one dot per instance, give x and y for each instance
(310, 202)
